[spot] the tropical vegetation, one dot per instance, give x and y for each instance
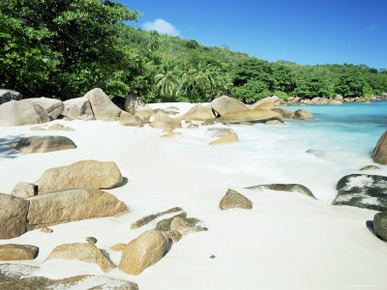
(63, 48)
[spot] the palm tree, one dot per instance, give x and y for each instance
(167, 81)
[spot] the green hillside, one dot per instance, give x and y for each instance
(64, 48)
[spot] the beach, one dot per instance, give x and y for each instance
(286, 241)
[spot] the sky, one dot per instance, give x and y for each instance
(306, 32)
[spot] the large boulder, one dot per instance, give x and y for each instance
(136, 106)
(199, 112)
(362, 190)
(380, 225)
(284, 187)
(102, 106)
(165, 123)
(13, 216)
(85, 252)
(234, 199)
(14, 252)
(225, 104)
(42, 144)
(72, 205)
(78, 108)
(266, 103)
(53, 107)
(302, 115)
(24, 112)
(82, 174)
(285, 113)
(379, 155)
(143, 252)
(9, 95)
(255, 115)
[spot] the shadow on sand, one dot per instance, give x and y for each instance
(6, 151)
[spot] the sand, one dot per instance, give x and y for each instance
(287, 241)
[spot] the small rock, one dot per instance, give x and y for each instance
(369, 167)
(60, 127)
(233, 199)
(91, 240)
(46, 230)
(212, 257)
(128, 119)
(186, 226)
(24, 190)
(84, 252)
(274, 122)
(13, 252)
(143, 252)
(118, 247)
(147, 219)
(165, 224)
(284, 187)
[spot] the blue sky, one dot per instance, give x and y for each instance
(305, 32)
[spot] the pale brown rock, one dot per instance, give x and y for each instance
(14, 252)
(128, 119)
(78, 108)
(136, 106)
(24, 190)
(59, 127)
(274, 122)
(43, 144)
(302, 115)
(24, 112)
(46, 230)
(256, 115)
(143, 252)
(103, 108)
(118, 247)
(85, 252)
(72, 205)
(285, 113)
(234, 199)
(335, 102)
(379, 154)
(53, 107)
(165, 123)
(13, 216)
(20, 276)
(82, 174)
(266, 103)
(230, 138)
(199, 112)
(186, 226)
(225, 104)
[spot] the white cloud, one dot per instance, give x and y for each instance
(161, 26)
(372, 27)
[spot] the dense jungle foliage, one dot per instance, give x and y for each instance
(63, 48)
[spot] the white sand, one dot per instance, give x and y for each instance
(287, 241)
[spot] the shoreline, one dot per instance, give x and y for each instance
(283, 235)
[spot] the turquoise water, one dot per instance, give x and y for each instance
(352, 126)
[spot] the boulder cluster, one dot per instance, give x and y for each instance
(78, 191)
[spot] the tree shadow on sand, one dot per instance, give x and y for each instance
(6, 151)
